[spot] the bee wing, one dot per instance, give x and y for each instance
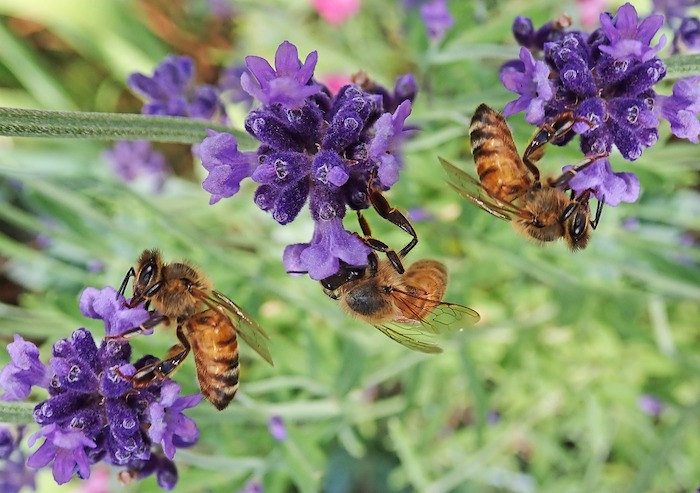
(471, 189)
(433, 316)
(428, 318)
(249, 330)
(415, 341)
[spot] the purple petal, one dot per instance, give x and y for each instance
(329, 244)
(610, 187)
(24, 371)
(227, 166)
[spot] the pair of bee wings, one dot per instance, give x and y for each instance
(470, 188)
(418, 331)
(246, 327)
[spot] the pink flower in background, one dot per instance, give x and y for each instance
(590, 10)
(335, 81)
(336, 12)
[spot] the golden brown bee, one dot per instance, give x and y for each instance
(509, 187)
(207, 324)
(407, 307)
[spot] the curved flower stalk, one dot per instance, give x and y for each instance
(607, 79)
(315, 147)
(93, 413)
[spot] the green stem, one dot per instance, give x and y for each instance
(18, 122)
(680, 66)
(16, 412)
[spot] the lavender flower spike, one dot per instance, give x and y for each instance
(24, 371)
(532, 84)
(227, 166)
(437, 18)
(607, 186)
(134, 159)
(682, 108)
(629, 40)
(95, 414)
(287, 83)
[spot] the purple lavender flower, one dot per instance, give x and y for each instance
(288, 83)
(230, 86)
(65, 448)
(613, 97)
(108, 305)
(168, 424)
(389, 135)
(131, 160)
(650, 405)
(171, 92)
(253, 486)
(627, 39)
(681, 108)
(164, 469)
(533, 85)
(525, 34)
(688, 34)
(606, 79)
(329, 245)
(227, 166)
(607, 186)
(314, 147)
(673, 9)
(437, 18)
(93, 412)
(24, 371)
(14, 475)
(277, 428)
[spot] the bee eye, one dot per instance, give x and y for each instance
(146, 274)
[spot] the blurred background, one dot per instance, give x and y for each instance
(583, 374)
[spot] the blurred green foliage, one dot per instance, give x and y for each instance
(542, 395)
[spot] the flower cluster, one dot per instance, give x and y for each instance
(607, 80)
(686, 28)
(172, 92)
(94, 413)
(14, 474)
(313, 146)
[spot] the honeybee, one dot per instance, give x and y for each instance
(207, 324)
(407, 307)
(544, 211)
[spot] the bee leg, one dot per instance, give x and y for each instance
(384, 209)
(598, 212)
(160, 370)
(378, 245)
(566, 176)
(547, 133)
(122, 287)
(154, 320)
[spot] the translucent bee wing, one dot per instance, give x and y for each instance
(470, 188)
(400, 333)
(247, 328)
(433, 316)
(426, 319)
